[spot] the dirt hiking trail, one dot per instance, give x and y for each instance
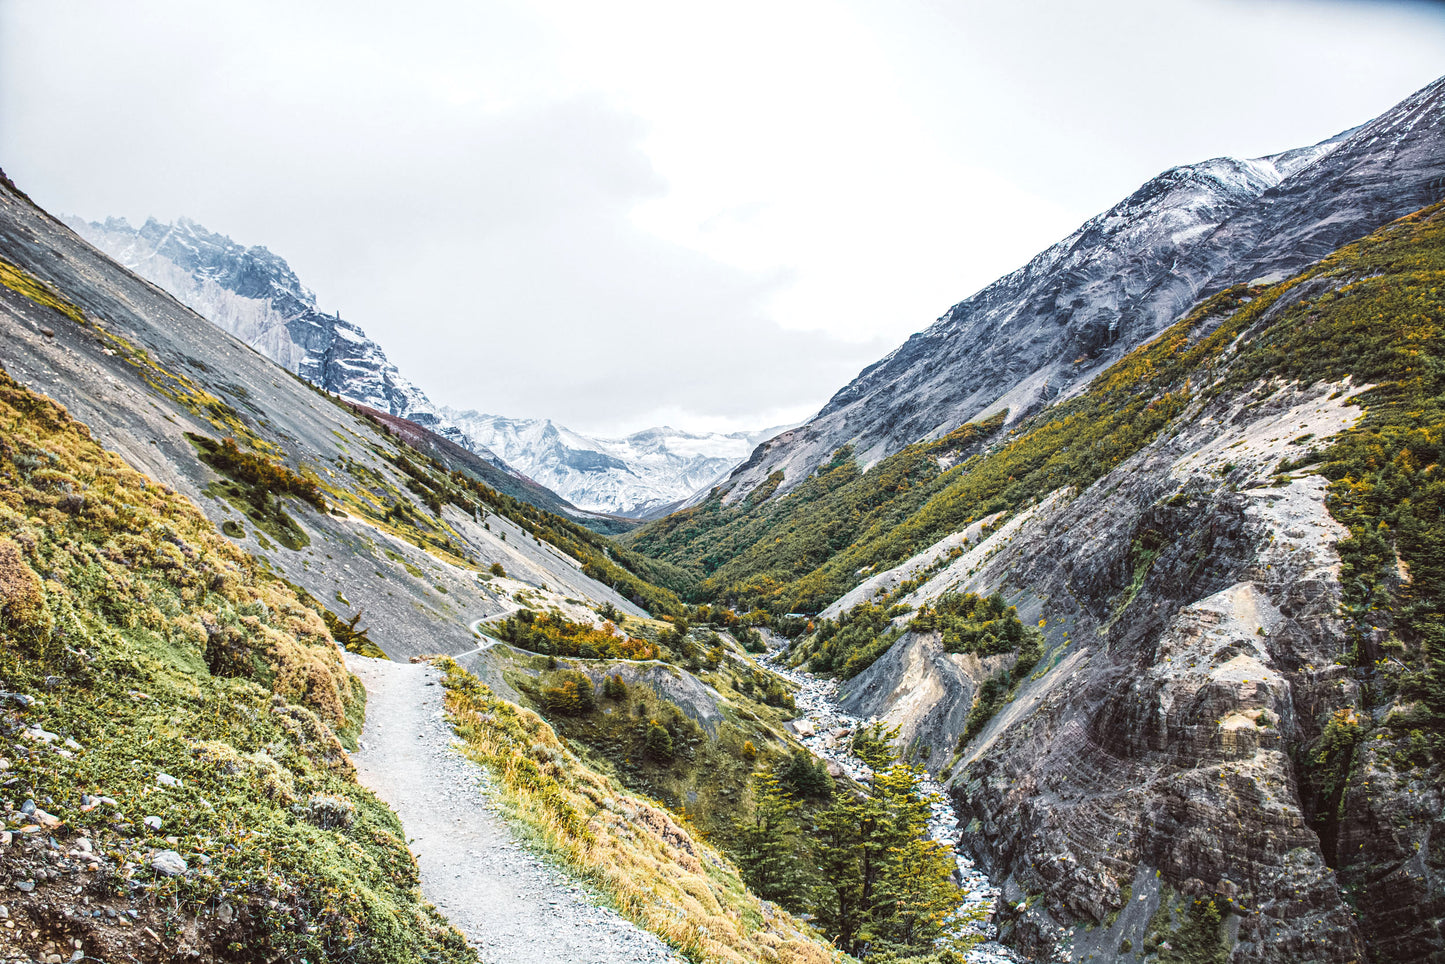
(510, 904)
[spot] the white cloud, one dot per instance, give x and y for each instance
(617, 214)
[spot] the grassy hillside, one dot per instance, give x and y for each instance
(754, 552)
(805, 549)
(1371, 312)
(176, 720)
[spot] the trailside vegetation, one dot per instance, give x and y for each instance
(653, 869)
(164, 694)
(694, 745)
(554, 635)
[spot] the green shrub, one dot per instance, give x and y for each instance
(569, 693)
(658, 742)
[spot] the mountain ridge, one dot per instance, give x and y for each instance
(632, 476)
(1046, 328)
(254, 294)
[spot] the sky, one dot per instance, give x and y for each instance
(637, 213)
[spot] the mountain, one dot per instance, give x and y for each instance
(256, 296)
(1166, 622)
(1171, 643)
(198, 547)
(161, 385)
(1046, 329)
(633, 476)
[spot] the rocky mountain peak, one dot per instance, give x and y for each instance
(1047, 328)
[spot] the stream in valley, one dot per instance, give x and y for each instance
(830, 739)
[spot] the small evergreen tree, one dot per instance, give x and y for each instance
(766, 849)
(614, 688)
(658, 742)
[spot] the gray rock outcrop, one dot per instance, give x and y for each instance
(1159, 751)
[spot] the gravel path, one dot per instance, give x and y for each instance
(510, 905)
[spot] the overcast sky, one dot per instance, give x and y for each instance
(623, 214)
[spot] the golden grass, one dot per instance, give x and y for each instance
(653, 869)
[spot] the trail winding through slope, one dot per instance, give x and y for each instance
(510, 905)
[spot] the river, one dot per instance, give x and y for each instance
(817, 702)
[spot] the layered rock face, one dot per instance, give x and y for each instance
(1119, 280)
(1159, 752)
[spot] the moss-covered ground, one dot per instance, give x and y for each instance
(161, 692)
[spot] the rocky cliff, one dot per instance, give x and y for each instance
(1222, 753)
(253, 294)
(1046, 329)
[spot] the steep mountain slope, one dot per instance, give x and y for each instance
(406, 542)
(631, 476)
(255, 295)
(1230, 737)
(176, 783)
(1044, 330)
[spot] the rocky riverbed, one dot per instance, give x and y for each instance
(827, 731)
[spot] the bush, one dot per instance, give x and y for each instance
(546, 633)
(658, 742)
(497, 569)
(569, 693)
(803, 775)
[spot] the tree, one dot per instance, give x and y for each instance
(658, 742)
(838, 899)
(885, 886)
(804, 775)
(873, 744)
(766, 849)
(570, 693)
(614, 688)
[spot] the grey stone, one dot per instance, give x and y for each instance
(168, 862)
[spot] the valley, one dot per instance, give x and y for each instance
(1102, 620)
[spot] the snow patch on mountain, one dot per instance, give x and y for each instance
(1044, 330)
(254, 294)
(628, 476)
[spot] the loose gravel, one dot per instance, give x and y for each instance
(510, 903)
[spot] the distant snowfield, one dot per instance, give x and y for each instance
(626, 476)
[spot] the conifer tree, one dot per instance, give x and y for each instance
(884, 886)
(767, 845)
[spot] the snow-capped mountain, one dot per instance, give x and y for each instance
(1120, 279)
(254, 294)
(631, 476)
